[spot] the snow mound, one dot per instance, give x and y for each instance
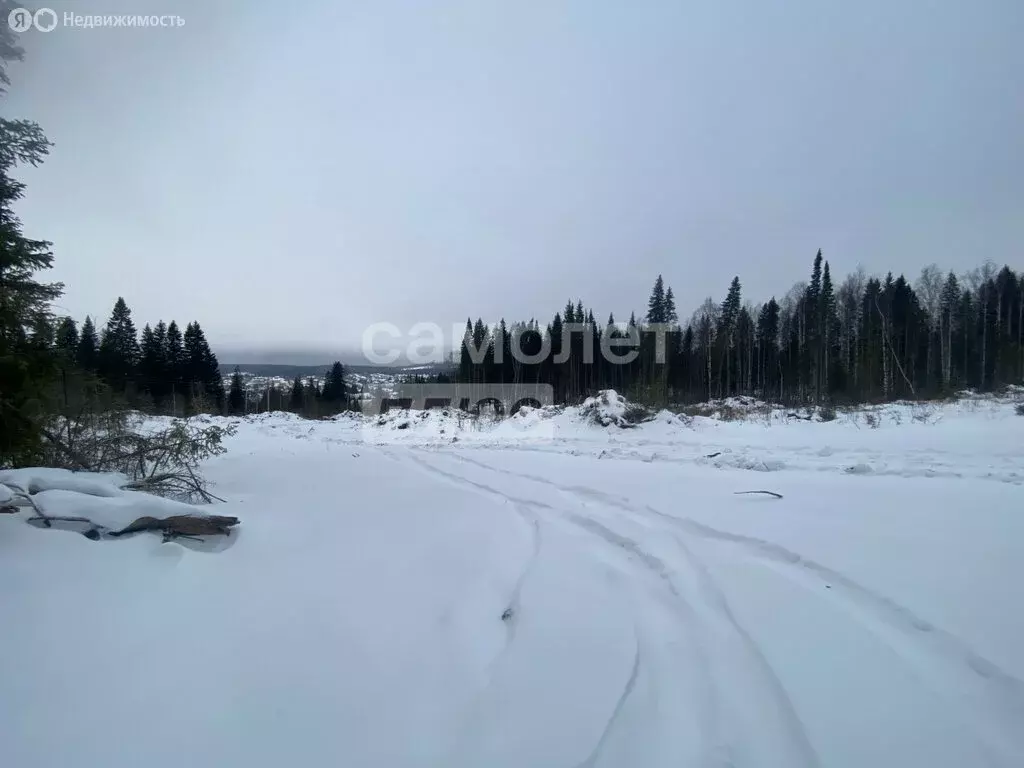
(610, 409)
(434, 422)
(452, 425)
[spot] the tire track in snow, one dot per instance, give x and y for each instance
(789, 725)
(513, 610)
(705, 709)
(709, 614)
(511, 614)
(893, 612)
(620, 704)
(886, 610)
(513, 605)
(996, 706)
(757, 696)
(709, 607)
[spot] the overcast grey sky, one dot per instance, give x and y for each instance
(287, 173)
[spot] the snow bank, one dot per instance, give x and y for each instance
(891, 439)
(32, 480)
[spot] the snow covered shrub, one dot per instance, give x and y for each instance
(922, 413)
(161, 456)
(1019, 409)
(610, 409)
(729, 412)
(872, 420)
(637, 414)
(827, 412)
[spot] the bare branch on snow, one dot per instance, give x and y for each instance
(767, 493)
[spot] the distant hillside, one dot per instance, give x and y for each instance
(291, 371)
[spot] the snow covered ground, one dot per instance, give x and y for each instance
(414, 591)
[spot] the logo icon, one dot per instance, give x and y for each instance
(45, 19)
(20, 20)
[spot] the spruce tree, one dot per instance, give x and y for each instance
(87, 355)
(150, 368)
(656, 303)
(733, 302)
(43, 333)
(727, 324)
(67, 339)
(236, 394)
(119, 348)
(811, 323)
(200, 372)
(826, 329)
(335, 391)
(296, 399)
(569, 314)
(503, 342)
(767, 346)
(174, 356)
(192, 363)
(465, 360)
(671, 316)
(161, 386)
(25, 369)
(207, 369)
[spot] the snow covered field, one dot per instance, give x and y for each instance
(412, 591)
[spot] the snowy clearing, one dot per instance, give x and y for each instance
(542, 592)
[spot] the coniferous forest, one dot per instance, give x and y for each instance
(161, 369)
(864, 339)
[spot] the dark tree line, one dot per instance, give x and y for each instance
(165, 369)
(865, 339)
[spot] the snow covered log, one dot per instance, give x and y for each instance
(101, 505)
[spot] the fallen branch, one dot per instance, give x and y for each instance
(767, 493)
(78, 461)
(183, 483)
(201, 488)
(59, 519)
